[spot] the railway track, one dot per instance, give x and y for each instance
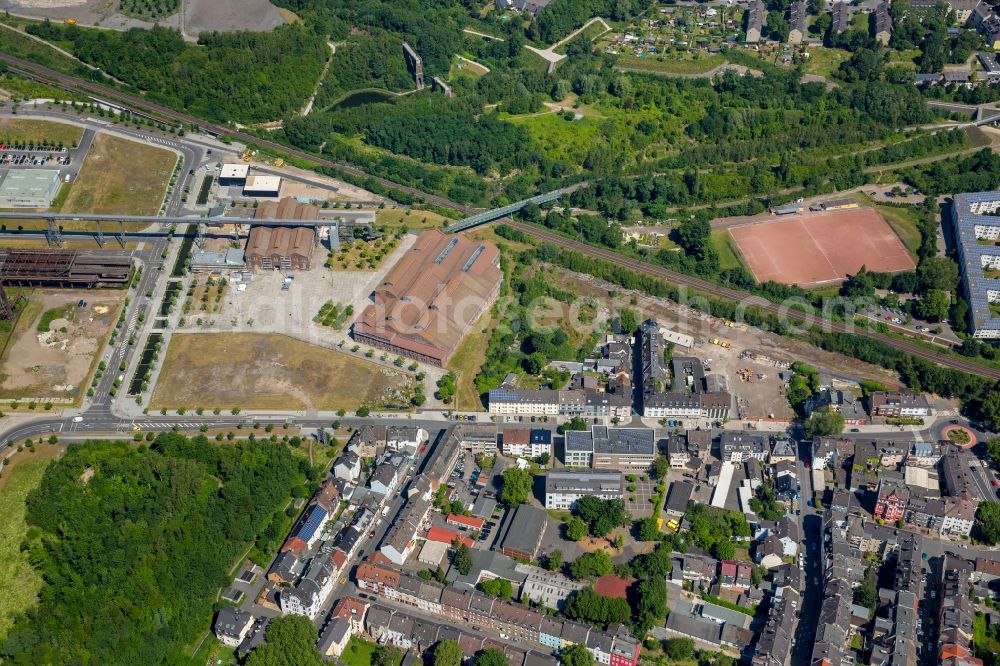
(136, 103)
(942, 359)
(146, 107)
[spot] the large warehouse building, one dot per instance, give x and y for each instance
(29, 188)
(284, 248)
(432, 297)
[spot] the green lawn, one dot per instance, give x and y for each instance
(18, 580)
(723, 244)
(358, 652)
(904, 222)
(824, 61)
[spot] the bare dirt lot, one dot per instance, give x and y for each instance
(269, 371)
(230, 15)
(56, 364)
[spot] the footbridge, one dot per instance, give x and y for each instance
(504, 211)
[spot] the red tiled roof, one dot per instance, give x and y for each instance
(472, 522)
(349, 607)
(295, 544)
(442, 535)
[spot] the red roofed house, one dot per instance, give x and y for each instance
(339, 559)
(353, 610)
(613, 586)
(296, 545)
(466, 522)
(376, 578)
(727, 573)
(442, 535)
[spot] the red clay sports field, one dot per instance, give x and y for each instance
(817, 248)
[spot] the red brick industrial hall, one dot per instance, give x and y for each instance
(432, 297)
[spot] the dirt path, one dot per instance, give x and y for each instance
(550, 55)
(470, 31)
(326, 68)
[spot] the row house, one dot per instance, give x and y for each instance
(525, 443)
(550, 402)
(898, 404)
(738, 447)
(512, 621)
(308, 595)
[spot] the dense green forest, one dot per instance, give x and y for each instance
(154, 532)
(245, 76)
(433, 128)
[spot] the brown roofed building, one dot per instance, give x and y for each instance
(285, 248)
(431, 297)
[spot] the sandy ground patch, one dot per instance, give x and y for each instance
(231, 15)
(57, 364)
(268, 371)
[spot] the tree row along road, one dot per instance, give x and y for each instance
(946, 360)
(91, 89)
(137, 103)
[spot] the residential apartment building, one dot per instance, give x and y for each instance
(974, 219)
(525, 443)
(898, 403)
(563, 488)
(738, 447)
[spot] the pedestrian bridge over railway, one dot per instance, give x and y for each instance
(504, 211)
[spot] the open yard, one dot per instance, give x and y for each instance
(270, 371)
(52, 350)
(44, 132)
(412, 219)
(121, 177)
(18, 580)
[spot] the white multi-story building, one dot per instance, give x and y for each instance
(564, 488)
(974, 220)
(308, 596)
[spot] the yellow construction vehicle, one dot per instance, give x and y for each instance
(279, 163)
(71, 21)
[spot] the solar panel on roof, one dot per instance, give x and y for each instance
(446, 251)
(472, 259)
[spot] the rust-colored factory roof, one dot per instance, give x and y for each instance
(280, 241)
(286, 209)
(433, 295)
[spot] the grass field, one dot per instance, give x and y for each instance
(467, 360)
(723, 244)
(904, 222)
(409, 218)
(672, 65)
(19, 130)
(18, 580)
(824, 61)
(269, 371)
(121, 177)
